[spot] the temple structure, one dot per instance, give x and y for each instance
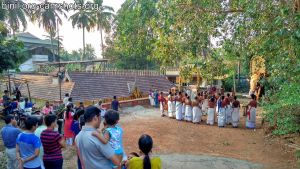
(92, 86)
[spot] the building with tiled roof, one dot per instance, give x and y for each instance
(31, 42)
(39, 50)
(93, 86)
(85, 86)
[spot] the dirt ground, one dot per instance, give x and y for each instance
(182, 143)
(171, 136)
(175, 141)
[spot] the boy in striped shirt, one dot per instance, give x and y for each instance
(52, 143)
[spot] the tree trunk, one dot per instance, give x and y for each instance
(51, 39)
(239, 73)
(83, 54)
(234, 85)
(102, 45)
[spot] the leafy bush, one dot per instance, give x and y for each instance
(282, 109)
(228, 84)
(47, 69)
(74, 67)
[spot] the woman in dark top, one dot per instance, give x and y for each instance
(115, 104)
(18, 94)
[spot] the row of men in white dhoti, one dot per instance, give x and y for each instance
(182, 108)
(228, 111)
(225, 112)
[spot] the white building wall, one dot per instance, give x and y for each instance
(27, 66)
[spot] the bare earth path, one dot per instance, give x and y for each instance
(176, 139)
(184, 145)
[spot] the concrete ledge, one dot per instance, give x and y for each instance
(130, 103)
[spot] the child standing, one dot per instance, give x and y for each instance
(162, 102)
(112, 133)
(68, 120)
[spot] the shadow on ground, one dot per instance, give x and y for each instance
(180, 161)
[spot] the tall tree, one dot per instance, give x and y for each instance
(83, 19)
(2, 12)
(48, 18)
(16, 16)
(12, 51)
(89, 52)
(132, 43)
(103, 19)
(55, 39)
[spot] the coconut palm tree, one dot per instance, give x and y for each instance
(48, 18)
(83, 20)
(55, 39)
(103, 18)
(16, 16)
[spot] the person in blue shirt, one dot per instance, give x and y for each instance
(76, 123)
(115, 104)
(5, 97)
(14, 104)
(76, 128)
(7, 107)
(9, 135)
(28, 104)
(28, 146)
(156, 98)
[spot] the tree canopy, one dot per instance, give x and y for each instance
(11, 52)
(132, 42)
(214, 35)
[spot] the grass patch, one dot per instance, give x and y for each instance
(298, 157)
(298, 154)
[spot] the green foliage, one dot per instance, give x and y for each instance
(283, 109)
(16, 17)
(182, 30)
(66, 56)
(11, 53)
(298, 157)
(131, 47)
(83, 19)
(3, 30)
(48, 69)
(2, 12)
(89, 52)
(228, 84)
(103, 18)
(49, 18)
(74, 67)
(269, 29)
(76, 55)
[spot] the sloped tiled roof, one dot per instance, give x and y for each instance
(42, 87)
(92, 86)
(27, 37)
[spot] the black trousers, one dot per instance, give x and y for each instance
(57, 164)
